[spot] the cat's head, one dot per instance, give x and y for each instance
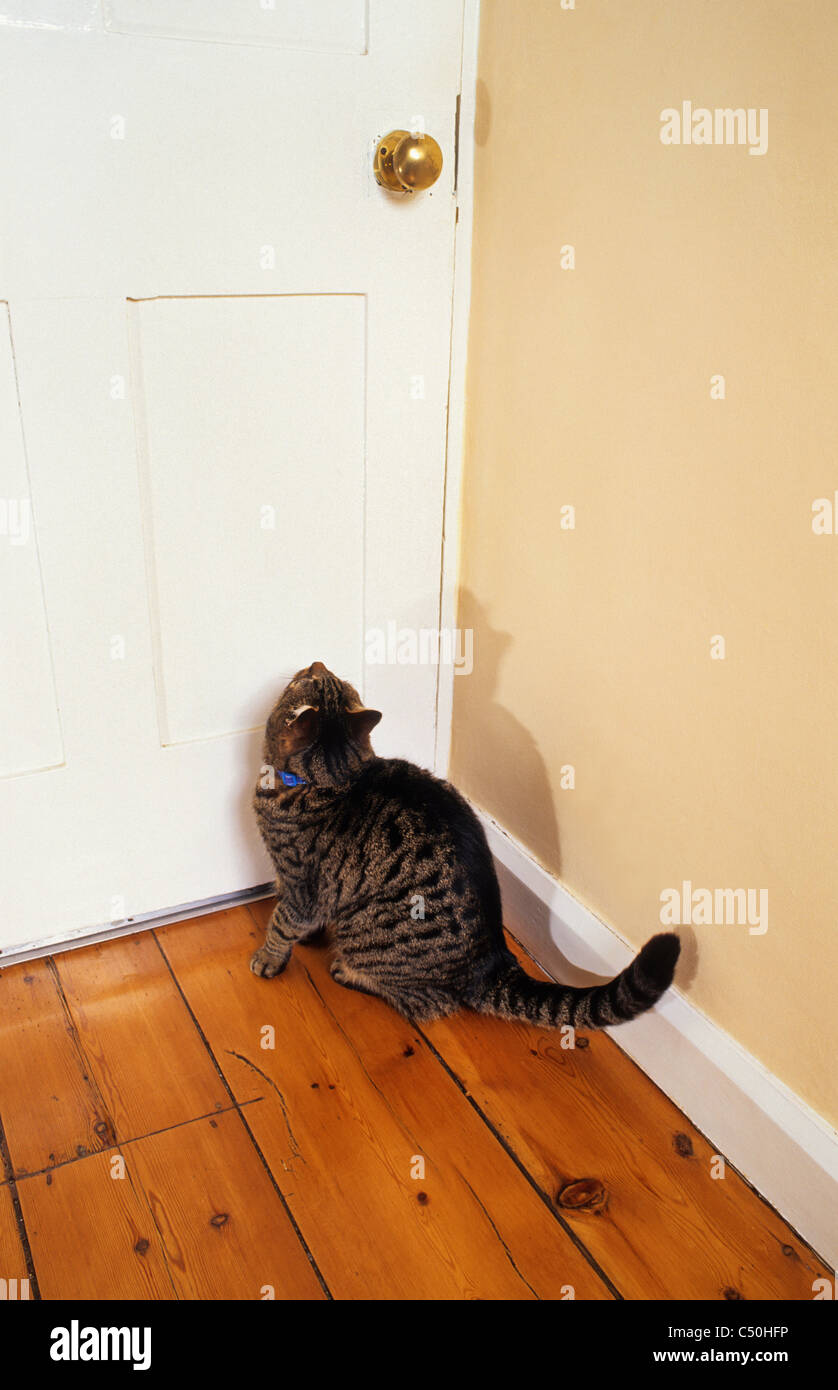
(319, 729)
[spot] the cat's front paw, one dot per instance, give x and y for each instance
(267, 963)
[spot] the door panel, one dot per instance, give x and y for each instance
(269, 555)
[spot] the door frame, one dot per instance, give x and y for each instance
(455, 438)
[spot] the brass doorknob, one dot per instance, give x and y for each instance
(406, 163)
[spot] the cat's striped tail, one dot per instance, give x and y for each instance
(509, 992)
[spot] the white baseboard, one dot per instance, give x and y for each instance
(780, 1145)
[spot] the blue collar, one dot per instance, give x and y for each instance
(290, 779)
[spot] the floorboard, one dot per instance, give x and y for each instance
(150, 1066)
(190, 1213)
(12, 1258)
(49, 1104)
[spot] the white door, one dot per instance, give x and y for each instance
(223, 376)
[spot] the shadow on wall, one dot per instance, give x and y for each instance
(492, 741)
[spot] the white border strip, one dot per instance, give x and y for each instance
(91, 936)
(781, 1146)
(455, 446)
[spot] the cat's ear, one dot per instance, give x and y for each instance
(301, 729)
(361, 722)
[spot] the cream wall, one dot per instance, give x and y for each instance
(590, 387)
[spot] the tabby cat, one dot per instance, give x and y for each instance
(396, 862)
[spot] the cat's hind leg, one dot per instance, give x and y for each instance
(422, 1004)
(417, 1004)
(343, 974)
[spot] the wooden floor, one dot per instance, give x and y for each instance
(175, 1128)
